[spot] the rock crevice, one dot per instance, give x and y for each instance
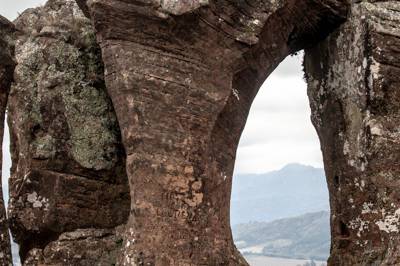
(7, 64)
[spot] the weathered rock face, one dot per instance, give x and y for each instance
(182, 76)
(80, 247)
(354, 79)
(7, 64)
(68, 171)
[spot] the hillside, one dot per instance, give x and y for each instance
(293, 190)
(303, 237)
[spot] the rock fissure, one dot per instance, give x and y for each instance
(7, 64)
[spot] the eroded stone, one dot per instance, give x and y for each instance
(182, 86)
(68, 169)
(353, 80)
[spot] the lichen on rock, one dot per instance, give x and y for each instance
(68, 167)
(353, 79)
(71, 81)
(182, 76)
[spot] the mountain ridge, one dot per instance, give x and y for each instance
(302, 237)
(293, 190)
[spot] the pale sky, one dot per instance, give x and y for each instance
(278, 130)
(11, 8)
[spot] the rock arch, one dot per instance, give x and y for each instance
(181, 76)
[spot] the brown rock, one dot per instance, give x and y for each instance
(7, 65)
(354, 79)
(182, 76)
(80, 247)
(68, 170)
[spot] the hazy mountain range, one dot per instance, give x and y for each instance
(293, 190)
(262, 203)
(303, 237)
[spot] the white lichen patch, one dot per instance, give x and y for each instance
(359, 183)
(367, 207)
(256, 22)
(236, 93)
(375, 128)
(361, 243)
(180, 7)
(27, 52)
(359, 224)
(374, 73)
(37, 201)
(130, 242)
(365, 63)
(224, 175)
(390, 222)
(346, 148)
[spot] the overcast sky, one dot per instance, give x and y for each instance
(11, 8)
(278, 130)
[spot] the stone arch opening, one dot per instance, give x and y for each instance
(278, 148)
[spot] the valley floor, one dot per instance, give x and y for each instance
(259, 260)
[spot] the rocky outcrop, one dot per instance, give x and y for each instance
(354, 79)
(182, 76)
(7, 65)
(68, 186)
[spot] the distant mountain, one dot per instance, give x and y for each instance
(303, 237)
(293, 190)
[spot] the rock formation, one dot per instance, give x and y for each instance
(7, 65)
(354, 79)
(68, 186)
(181, 76)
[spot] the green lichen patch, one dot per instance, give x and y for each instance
(59, 93)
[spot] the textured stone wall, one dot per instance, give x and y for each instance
(68, 185)
(354, 82)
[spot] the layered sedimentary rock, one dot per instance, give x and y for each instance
(182, 76)
(354, 82)
(68, 185)
(7, 64)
